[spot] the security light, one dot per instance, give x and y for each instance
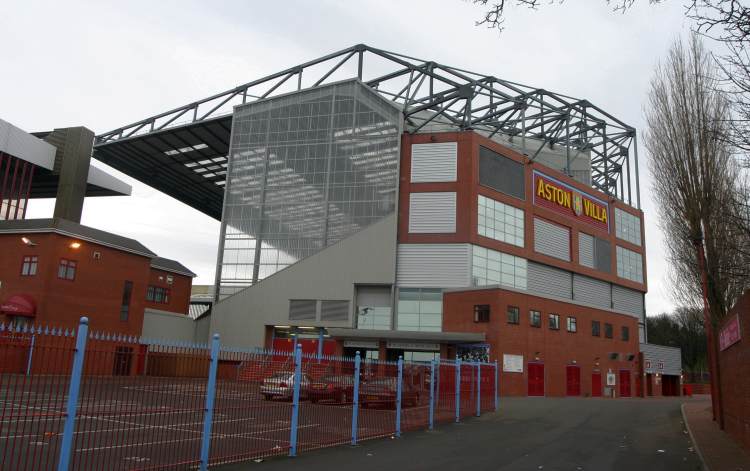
(75, 245)
(28, 241)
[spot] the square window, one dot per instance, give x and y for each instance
(514, 314)
(554, 322)
(572, 324)
(625, 333)
(29, 265)
(67, 269)
(535, 318)
(482, 313)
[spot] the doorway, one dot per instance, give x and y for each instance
(536, 379)
(625, 383)
(573, 384)
(596, 384)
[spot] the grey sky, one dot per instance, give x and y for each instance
(106, 64)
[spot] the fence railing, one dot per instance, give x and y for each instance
(74, 399)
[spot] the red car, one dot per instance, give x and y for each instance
(339, 389)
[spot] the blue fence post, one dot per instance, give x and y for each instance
(458, 389)
(31, 354)
(497, 392)
(399, 391)
(208, 414)
(479, 389)
(66, 446)
(432, 393)
(295, 400)
(355, 407)
(320, 344)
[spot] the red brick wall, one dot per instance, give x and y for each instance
(467, 188)
(96, 291)
(179, 291)
(734, 363)
(555, 348)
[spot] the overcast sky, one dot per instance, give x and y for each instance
(106, 64)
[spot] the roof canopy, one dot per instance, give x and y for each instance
(182, 152)
(19, 305)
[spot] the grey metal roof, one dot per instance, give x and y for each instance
(170, 265)
(669, 358)
(442, 337)
(175, 151)
(199, 310)
(75, 230)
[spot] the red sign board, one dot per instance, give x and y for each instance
(569, 201)
(730, 333)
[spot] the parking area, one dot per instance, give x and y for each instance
(527, 434)
(147, 422)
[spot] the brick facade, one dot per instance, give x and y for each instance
(734, 363)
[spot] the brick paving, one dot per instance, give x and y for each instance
(717, 449)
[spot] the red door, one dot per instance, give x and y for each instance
(649, 385)
(596, 384)
(624, 383)
(573, 374)
(536, 379)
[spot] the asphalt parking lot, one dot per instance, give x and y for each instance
(527, 434)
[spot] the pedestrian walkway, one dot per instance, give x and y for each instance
(717, 449)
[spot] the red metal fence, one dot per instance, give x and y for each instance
(143, 404)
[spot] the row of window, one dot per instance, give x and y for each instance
(482, 315)
(157, 294)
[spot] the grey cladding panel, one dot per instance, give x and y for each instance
(669, 358)
(375, 296)
(432, 213)
(585, 250)
(628, 301)
(591, 291)
(501, 173)
(548, 281)
(302, 309)
(434, 265)
(434, 162)
(602, 255)
(551, 239)
(334, 310)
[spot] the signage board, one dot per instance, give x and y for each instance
(430, 347)
(512, 363)
(362, 344)
(611, 379)
(569, 201)
(730, 333)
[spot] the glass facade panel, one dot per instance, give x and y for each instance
(420, 309)
(305, 170)
(490, 267)
(500, 221)
(627, 226)
(377, 318)
(629, 264)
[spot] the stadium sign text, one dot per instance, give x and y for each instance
(569, 201)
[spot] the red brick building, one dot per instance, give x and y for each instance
(734, 364)
(55, 271)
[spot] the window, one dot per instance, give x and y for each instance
(127, 291)
(625, 333)
(481, 313)
(627, 226)
(490, 267)
(500, 221)
(420, 309)
(67, 269)
(535, 318)
(595, 328)
(554, 322)
(608, 330)
(157, 294)
(629, 264)
(572, 324)
(514, 314)
(501, 173)
(373, 317)
(29, 266)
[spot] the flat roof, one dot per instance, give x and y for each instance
(441, 337)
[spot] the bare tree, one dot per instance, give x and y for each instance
(696, 184)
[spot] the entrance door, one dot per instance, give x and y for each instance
(123, 360)
(649, 384)
(596, 384)
(536, 379)
(624, 383)
(573, 374)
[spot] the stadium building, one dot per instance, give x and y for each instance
(376, 202)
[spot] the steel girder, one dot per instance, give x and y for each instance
(430, 93)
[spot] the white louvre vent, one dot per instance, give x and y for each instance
(586, 250)
(551, 239)
(434, 162)
(434, 265)
(302, 309)
(432, 213)
(334, 310)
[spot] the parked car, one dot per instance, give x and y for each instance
(281, 385)
(382, 392)
(338, 389)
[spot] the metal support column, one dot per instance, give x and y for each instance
(432, 393)
(458, 390)
(479, 389)
(399, 391)
(497, 392)
(295, 400)
(355, 406)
